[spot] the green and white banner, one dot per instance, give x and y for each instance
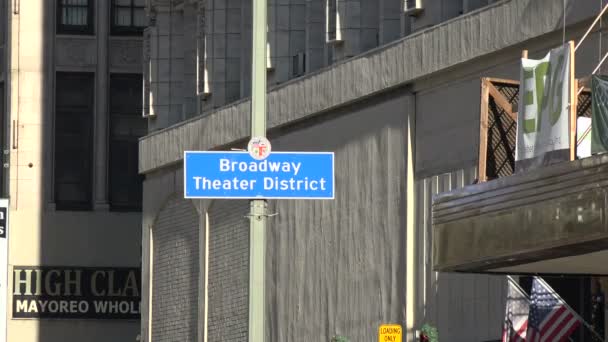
(543, 120)
(599, 114)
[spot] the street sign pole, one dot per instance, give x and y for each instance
(257, 228)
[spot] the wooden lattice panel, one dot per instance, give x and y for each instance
(498, 133)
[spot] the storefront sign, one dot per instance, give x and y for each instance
(76, 292)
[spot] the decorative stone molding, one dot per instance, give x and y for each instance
(76, 52)
(124, 53)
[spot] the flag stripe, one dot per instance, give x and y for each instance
(520, 333)
(535, 336)
(568, 329)
(530, 335)
(548, 322)
(550, 318)
(558, 327)
(516, 313)
(577, 324)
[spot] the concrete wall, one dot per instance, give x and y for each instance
(228, 273)
(338, 267)
(333, 267)
(448, 105)
(452, 52)
(294, 27)
(463, 307)
(41, 235)
(328, 259)
(3, 38)
(175, 272)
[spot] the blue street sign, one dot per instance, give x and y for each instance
(287, 175)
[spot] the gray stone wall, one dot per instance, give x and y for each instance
(333, 267)
(338, 267)
(175, 273)
(189, 86)
(228, 271)
(167, 77)
(481, 41)
(296, 45)
(463, 307)
(286, 37)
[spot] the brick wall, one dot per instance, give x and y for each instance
(228, 271)
(175, 273)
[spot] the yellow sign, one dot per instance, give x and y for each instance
(390, 333)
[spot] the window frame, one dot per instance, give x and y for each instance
(333, 25)
(88, 29)
(89, 181)
(135, 206)
(117, 30)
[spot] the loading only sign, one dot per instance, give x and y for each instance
(287, 175)
(390, 333)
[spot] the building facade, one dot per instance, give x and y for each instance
(71, 86)
(396, 96)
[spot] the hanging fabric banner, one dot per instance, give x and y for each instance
(599, 114)
(583, 137)
(543, 119)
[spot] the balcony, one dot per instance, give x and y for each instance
(548, 220)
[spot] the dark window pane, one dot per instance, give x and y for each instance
(75, 16)
(73, 141)
(332, 13)
(139, 17)
(128, 17)
(122, 16)
(126, 127)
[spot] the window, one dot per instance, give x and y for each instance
(332, 15)
(299, 64)
(126, 127)
(128, 17)
(3, 21)
(75, 16)
(2, 130)
(74, 100)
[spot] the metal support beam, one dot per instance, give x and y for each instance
(411, 320)
(257, 231)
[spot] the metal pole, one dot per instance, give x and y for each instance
(257, 228)
(599, 16)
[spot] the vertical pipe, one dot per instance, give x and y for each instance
(410, 282)
(257, 231)
(573, 101)
(206, 281)
(150, 281)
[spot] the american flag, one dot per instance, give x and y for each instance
(516, 315)
(550, 318)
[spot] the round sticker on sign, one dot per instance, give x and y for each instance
(259, 148)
